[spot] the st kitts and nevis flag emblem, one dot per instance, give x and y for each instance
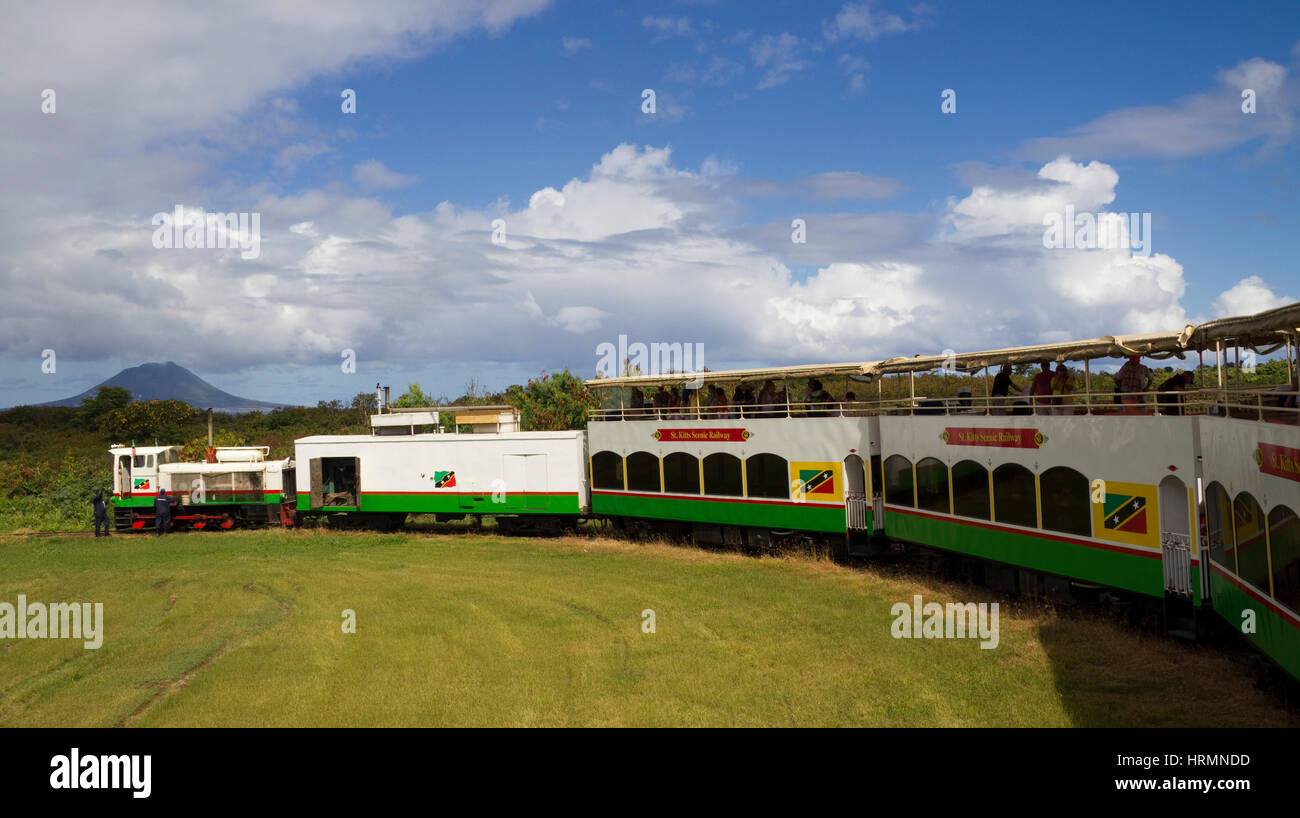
(444, 479)
(1128, 515)
(815, 482)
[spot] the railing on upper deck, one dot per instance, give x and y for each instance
(1271, 405)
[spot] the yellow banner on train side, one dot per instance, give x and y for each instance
(1127, 514)
(816, 482)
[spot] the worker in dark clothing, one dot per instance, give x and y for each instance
(162, 512)
(1002, 386)
(101, 513)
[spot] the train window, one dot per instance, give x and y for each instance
(932, 485)
(722, 475)
(898, 481)
(1013, 495)
(681, 474)
(606, 471)
(1284, 545)
(1218, 526)
(140, 462)
(1066, 501)
(970, 490)
(642, 472)
(1249, 522)
(768, 476)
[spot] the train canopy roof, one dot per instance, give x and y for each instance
(1263, 332)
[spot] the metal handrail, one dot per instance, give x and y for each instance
(1214, 401)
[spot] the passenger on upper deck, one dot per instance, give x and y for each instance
(1002, 387)
(1169, 401)
(1062, 388)
(767, 400)
(635, 405)
(1041, 388)
(720, 402)
(743, 396)
(816, 394)
(674, 405)
(1131, 379)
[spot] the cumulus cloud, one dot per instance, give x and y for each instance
(1250, 295)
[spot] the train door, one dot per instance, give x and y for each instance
(124, 475)
(335, 481)
(526, 481)
(855, 494)
(1175, 537)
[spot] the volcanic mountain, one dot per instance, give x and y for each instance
(171, 381)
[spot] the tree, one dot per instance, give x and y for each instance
(365, 404)
(106, 399)
(553, 403)
(161, 419)
(413, 397)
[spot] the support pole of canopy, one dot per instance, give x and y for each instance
(911, 404)
(988, 393)
(1087, 386)
(1218, 360)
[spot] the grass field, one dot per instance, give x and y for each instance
(245, 628)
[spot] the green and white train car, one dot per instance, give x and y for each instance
(1189, 499)
(534, 478)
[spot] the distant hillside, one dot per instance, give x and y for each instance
(171, 381)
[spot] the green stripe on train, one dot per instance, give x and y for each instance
(1275, 635)
(1131, 572)
(184, 500)
(799, 516)
(452, 503)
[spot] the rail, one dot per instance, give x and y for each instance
(1276, 406)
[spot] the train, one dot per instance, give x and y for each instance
(1187, 500)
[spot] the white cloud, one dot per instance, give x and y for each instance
(574, 45)
(668, 26)
(777, 53)
(374, 175)
(1193, 125)
(862, 21)
(1250, 295)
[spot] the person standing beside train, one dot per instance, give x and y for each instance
(162, 512)
(101, 513)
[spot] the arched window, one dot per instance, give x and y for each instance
(970, 490)
(1248, 521)
(1014, 502)
(1066, 501)
(681, 474)
(1284, 544)
(642, 472)
(932, 485)
(722, 475)
(1218, 526)
(606, 471)
(768, 475)
(898, 481)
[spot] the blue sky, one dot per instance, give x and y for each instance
(666, 227)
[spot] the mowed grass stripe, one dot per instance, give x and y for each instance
(244, 628)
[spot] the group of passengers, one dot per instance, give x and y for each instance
(1050, 392)
(674, 403)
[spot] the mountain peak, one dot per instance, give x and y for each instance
(171, 381)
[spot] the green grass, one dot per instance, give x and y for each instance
(244, 628)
